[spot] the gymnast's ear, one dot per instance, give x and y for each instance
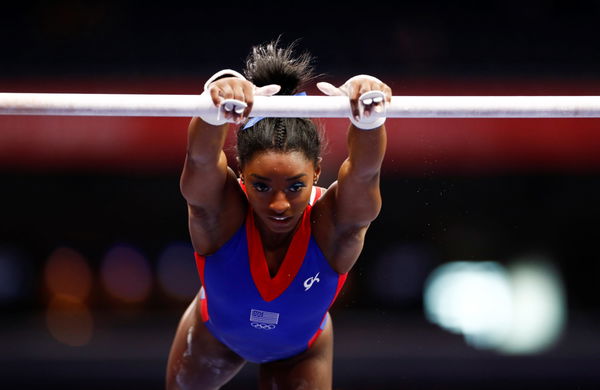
(317, 170)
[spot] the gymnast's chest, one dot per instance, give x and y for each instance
(230, 278)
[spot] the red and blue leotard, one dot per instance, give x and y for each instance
(262, 318)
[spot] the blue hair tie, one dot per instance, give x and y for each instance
(256, 119)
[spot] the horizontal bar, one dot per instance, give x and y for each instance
(301, 106)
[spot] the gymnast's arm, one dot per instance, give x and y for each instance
(355, 199)
(215, 201)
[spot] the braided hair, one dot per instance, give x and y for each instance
(270, 64)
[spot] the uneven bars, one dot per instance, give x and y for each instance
(300, 106)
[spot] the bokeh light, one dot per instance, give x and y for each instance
(472, 298)
(69, 320)
(67, 273)
(126, 275)
(176, 270)
(520, 310)
(539, 307)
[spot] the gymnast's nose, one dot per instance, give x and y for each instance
(279, 203)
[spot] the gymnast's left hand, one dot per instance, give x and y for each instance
(368, 99)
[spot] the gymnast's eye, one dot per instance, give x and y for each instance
(261, 187)
(296, 187)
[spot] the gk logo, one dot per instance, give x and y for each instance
(310, 281)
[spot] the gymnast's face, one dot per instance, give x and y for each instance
(279, 187)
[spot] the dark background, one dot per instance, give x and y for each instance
(462, 193)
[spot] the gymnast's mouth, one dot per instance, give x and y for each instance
(280, 223)
(280, 218)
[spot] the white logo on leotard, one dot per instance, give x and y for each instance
(265, 320)
(258, 325)
(308, 283)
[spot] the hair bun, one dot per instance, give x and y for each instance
(270, 64)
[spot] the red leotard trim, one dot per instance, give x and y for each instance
(316, 335)
(200, 261)
(341, 281)
(271, 288)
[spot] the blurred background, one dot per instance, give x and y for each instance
(481, 271)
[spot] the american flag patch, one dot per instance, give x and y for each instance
(264, 317)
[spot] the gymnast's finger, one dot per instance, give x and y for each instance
(238, 111)
(215, 95)
(388, 93)
(355, 106)
(248, 90)
(329, 89)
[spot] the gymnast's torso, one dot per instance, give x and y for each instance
(264, 318)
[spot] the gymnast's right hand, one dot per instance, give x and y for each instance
(232, 96)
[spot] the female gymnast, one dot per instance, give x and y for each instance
(272, 248)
